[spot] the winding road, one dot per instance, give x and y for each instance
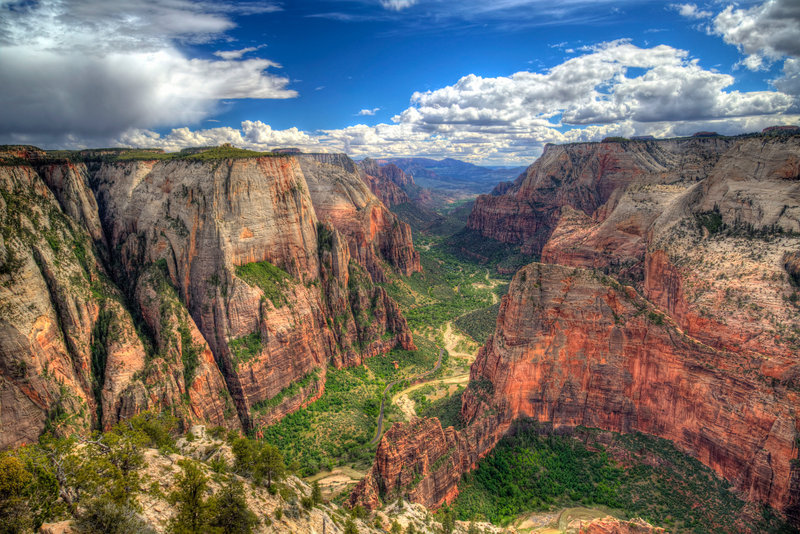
(379, 431)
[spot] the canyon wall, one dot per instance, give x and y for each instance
(666, 303)
(219, 288)
(577, 348)
(586, 177)
(387, 182)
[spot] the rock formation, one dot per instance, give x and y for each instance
(342, 199)
(586, 177)
(672, 312)
(217, 288)
(387, 182)
(612, 525)
(423, 462)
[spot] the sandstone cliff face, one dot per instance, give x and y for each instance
(182, 365)
(387, 182)
(342, 199)
(611, 525)
(202, 221)
(700, 349)
(576, 349)
(588, 177)
(423, 462)
(58, 308)
(241, 306)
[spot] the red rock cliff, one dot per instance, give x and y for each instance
(387, 182)
(701, 350)
(181, 242)
(586, 177)
(576, 348)
(342, 199)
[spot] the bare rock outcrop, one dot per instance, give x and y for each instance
(206, 286)
(387, 182)
(588, 177)
(612, 525)
(672, 310)
(342, 199)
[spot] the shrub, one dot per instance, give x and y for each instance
(316, 493)
(229, 511)
(14, 479)
(103, 516)
(350, 527)
(189, 497)
(272, 280)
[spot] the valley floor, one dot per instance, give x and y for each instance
(332, 439)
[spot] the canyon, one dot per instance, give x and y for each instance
(217, 285)
(663, 301)
(227, 287)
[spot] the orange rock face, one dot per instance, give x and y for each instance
(697, 345)
(342, 199)
(387, 182)
(586, 177)
(422, 462)
(611, 525)
(89, 246)
(575, 350)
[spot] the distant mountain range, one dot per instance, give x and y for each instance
(452, 175)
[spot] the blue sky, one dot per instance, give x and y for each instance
(484, 81)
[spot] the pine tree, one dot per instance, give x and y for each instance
(269, 465)
(229, 511)
(316, 493)
(192, 508)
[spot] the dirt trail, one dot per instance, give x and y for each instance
(379, 431)
(451, 340)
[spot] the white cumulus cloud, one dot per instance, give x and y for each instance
(237, 54)
(691, 11)
(594, 88)
(372, 111)
(612, 89)
(764, 33)
(92, 68)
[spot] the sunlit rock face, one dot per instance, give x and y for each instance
(134, 285)
(666, 303)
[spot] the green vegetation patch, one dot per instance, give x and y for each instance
(289, 391)
(446, 409)
(480, 324)
(190, 353)
(533, 469)
(503, 258)
(102, 336)
(336, 429)
(272, 280)
(245, 348)
(226, 152)
(444, 290)
(324, 237)
(710, 220)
